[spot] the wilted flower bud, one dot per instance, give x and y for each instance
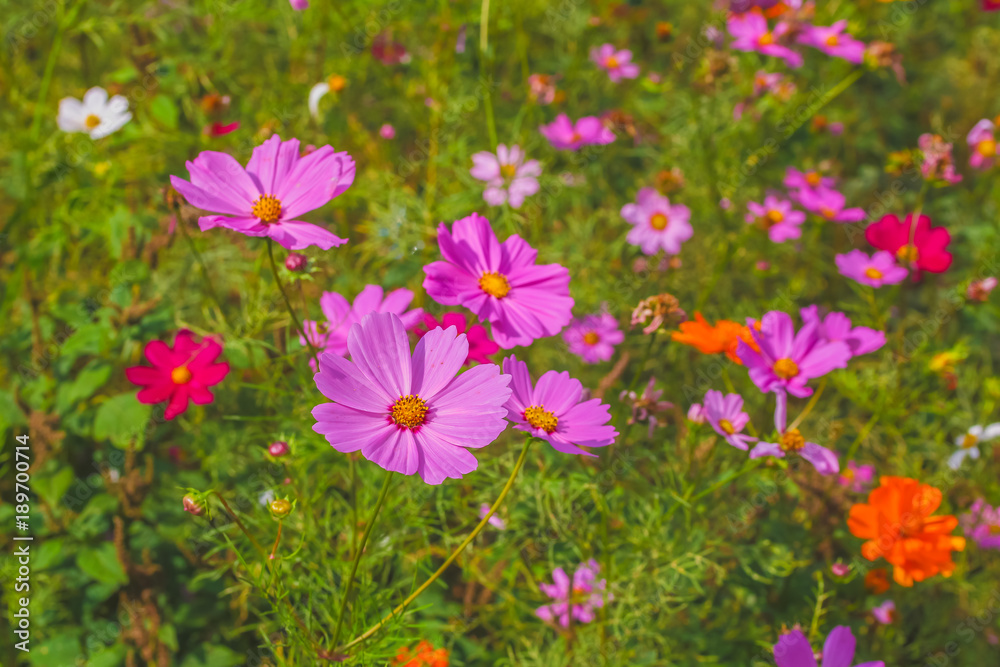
(196, 503)
(979, 290)
(658, 310)
(278, 449)
(280, 508)
(296, 261)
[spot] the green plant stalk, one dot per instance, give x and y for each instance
(239, 523)
(204, 269)
(357, 556)
(809, 406)
(288, 303)
(451, 559)
(50, 66)
(484, 30)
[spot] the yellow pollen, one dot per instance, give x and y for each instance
(766, 39)
(969, 441)
(827, 213)
(508, 170)
(775, 216)
(785, 368)
(180, 375)
(987, 147)
(831, 40)
(539, 417)
(267, 208)
(611, 62)
(591, 338)
(727, 426)
(494, 284)
(848, 474)
(659, 222)
(409, 411)
(873, 273)
(813, 178)
(792, 441)
(91, 121)
(908, 253)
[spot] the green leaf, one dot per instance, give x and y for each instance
(51, 487)
(112, 656)
(63, 649)
(101, 563)
(16, 180)
(165, 111)
(49, 554)
(10, 413)
(121, 419)
(86, 383)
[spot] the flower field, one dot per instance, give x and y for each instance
(528, 334)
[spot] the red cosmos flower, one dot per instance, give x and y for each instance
(182, 372)
(218, 129)
(480, 344)
(991, 5)
(922, 248)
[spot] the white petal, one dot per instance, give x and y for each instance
(316, 93)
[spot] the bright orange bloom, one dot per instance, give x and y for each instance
(898, 525)
(877, 581)
(423, 655)
(708, 339)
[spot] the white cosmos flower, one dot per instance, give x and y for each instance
(967, 443)
(335, 83)
(96, 114)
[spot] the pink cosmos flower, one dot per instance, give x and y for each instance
(276, 187)
(764, 81)
(646, 406)
(803, 180)
(791, 441)
(494, 520)
(552, 410)
(696, 413)
(983, 144)
(829, 204)
(542, 88)
(840, 569)
(179, 373)
(793, 650)
(778, 217)
(878, 270)
(480, 345)
(751, 33)
(979, 290)
(499, 282)
(982, 523)
(564, 134)
(919, 246)
(508, 177)
(618, 64)
(788, 360)
(937, 164)
(331, 335)
(833, 41)
(857, 477)
(583, 594)
(593, 337)
(299, 5)
(410, 414)
(387, 131)
(725, 415)
(885, 613)
(656, 224)
(837, 327)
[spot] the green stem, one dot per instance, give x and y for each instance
(239, 523)
(288, 303)
(809, 406)
(201, 264)
(357, 556)
(451, 559)
(50, 66)
(484, 29)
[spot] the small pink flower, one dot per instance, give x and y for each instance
(494, 520)
(833, 41)
(508, 177)
(218, 129)
(278, 449)
(751, 33)
(778, 217)
(764, 81)
(828, 204)
(726, 416)
(979, 290)
(542, 88)
(885, 613)
(299, 5)
(656, 224)
(387, 131)
(593, 337)
(806, 180)
(296, 262)
(791, 441)
(937, 163)
(857, 477)
(696, 413)
(618, 64)
(983, 144)
(564, 134)
(840, 569)
(580, 596)
(878, 270)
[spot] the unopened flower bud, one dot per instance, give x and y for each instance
(296, 261)
(195, 503)
(280, 508)
(278, 449)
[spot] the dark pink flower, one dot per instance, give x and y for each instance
(618, 64)
(341, 315)
(480, 344)
(751, 33)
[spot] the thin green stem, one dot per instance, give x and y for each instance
(50, 66)
(357, 556)
(451, 559)
(204, 269)
(810, 405)
(484, 30)
(238, 522)
(288, 303)
(277, 539)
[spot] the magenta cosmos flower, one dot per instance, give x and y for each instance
(791, 441)
(983, 144)
(982, 524)
(276, 187)
(410, 414)
(833, 41)
(788, 360)
(331, 335)
(837, 327)
(593, 337)
(878, 270)
(552, 410)
(499, 282)
(778, 217)
(802, 180)
(656, 224)
(857, 477)
(885, 613)
(180, 373)
(828, 204)
(618, 64)
(564, 134)
(299, 5)
(725, 414)
(480, 345)
(793, 650)
(583, 594)
(508, 177)
(752, 34)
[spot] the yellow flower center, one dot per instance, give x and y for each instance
(994, 529)
(539, 417)
(508, 171)
(969, 441)
(727, 426)
(409, 411)
(873, 273)
(494, 284)
(577, 137)
(180, 375)
(266, 208)
(792, 441)
(659, 222)
(766, 39)
(611, 62)
(91, 121)
(987, 147)
(785, 368)
(848, 475)
(908, 253)
(827, 213)
(774, 217)
(813, 178)
(336, 82)
(831, 40)
(591, 338)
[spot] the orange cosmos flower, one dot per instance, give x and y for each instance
(423, 655)
(897, 521)
(708, 339)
